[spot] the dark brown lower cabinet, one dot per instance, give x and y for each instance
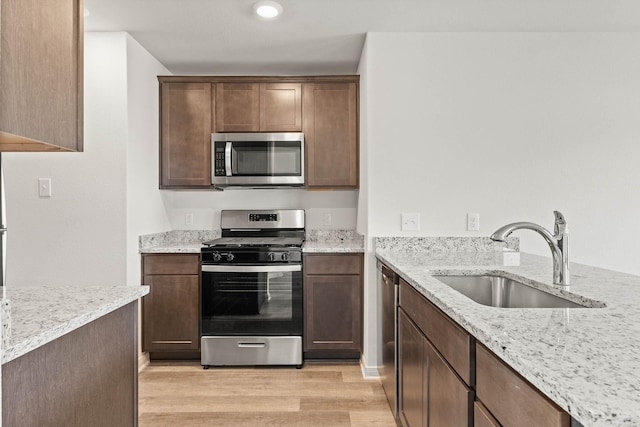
(510, 398)
(413, 368)
(332, 305)
(441, 367)
(171, 310)
(88, 377)
(431, 394)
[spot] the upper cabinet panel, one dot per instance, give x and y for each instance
(281, 107)
(237, 107)
(330, 118)
(259, 107)
(185, 135)
(41, 74)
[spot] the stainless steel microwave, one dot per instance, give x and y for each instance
(257, 159)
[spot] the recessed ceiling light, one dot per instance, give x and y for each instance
(267, 9)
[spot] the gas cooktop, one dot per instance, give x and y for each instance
(255, 242)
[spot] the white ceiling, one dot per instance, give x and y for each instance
(326, 36)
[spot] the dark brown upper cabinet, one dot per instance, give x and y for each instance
(185, 135)
(41, 75)
(325, 108)
(330, 126)
(259, 107)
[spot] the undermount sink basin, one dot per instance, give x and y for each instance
(498, 291)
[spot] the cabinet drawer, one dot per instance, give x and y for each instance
(453, 342)
(333, 264)
(510, 398)
(170, 264)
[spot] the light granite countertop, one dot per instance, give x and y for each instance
(587, 360)
(39, 315)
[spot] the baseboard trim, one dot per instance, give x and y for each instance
(369, 372)
(143, 361)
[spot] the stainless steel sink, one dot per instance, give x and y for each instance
(497, 291)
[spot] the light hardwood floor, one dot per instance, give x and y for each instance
(331, 395)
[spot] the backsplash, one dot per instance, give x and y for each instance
(333, 235)
(445, 244)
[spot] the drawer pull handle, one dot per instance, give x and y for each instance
(172, 342)
(252, 344)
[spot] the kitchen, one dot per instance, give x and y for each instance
(537, 121)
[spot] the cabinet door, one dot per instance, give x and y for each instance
(450, 400)
(333, 313)
(171, 313)
(186, 135)
(330, 126)
(281, 107)
(412, 370)
(482, 417)
(237, 107)
(41, 75)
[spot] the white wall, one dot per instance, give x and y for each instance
(76, 237)
(103, 198)
(146, 212)
(206, 205)
(510, 125)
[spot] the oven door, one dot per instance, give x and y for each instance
(251, 300)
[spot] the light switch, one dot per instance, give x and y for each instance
(188, 219)
(410, 222)
(44, 187)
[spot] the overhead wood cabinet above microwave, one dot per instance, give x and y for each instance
(325, 108)
(41, 69)
(258, 107)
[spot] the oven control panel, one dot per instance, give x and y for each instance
(237, 256)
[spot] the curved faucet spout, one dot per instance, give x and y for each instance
(558, 243)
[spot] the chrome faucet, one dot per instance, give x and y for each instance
(558, 242)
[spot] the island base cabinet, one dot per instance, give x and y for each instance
(431, 393)
(88, 377)
(510, 398)
(413, 366)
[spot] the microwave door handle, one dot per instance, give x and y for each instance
(227, 158)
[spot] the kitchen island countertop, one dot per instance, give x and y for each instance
(41, 314)
(587, 360)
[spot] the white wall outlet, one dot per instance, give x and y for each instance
(326, 219)
(410, 222)
(473, 221)
(44, 187)
(188, 219)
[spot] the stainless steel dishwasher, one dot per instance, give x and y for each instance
(388, 283)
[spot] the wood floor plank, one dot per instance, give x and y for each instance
(242, 419)
(332, 395)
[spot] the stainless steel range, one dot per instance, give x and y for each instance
(252, 290)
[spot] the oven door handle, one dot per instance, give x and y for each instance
(251, 268)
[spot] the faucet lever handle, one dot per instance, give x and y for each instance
(560, 226)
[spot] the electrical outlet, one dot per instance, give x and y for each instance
(410, 222)
(473, 222)
(326, 219)
(44, 187)
(188, 219)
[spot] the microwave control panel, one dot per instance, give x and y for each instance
(219, 159)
